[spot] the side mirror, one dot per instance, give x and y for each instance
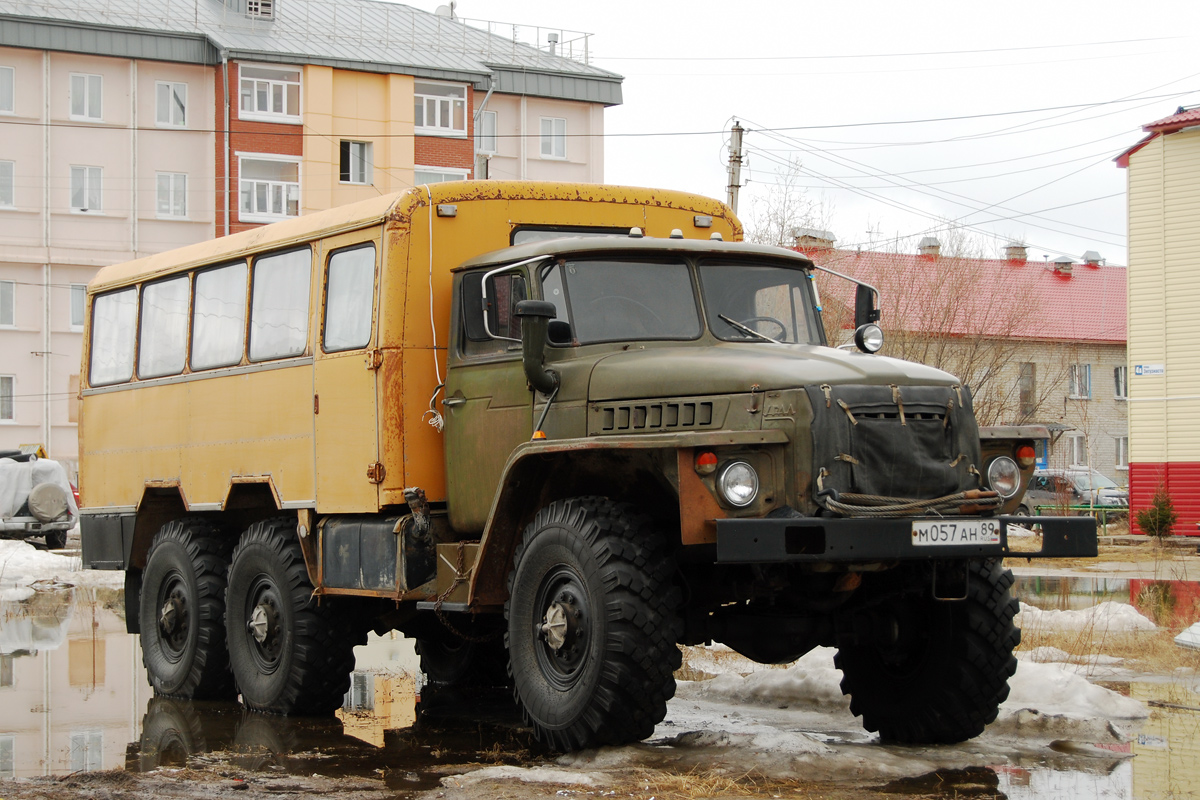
(864, 306)
(535, 323)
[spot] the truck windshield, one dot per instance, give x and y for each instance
(768, 301)
(608, 301)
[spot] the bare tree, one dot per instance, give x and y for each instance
(785, 207)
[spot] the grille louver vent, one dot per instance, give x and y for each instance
(655, 416)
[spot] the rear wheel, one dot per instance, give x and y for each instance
(183, 609)
(592, 624)
(289, 653)
(56, 540)
(944, 673)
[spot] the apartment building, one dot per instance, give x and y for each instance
(128, 129)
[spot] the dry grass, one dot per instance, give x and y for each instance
(1151, 651)
(699, 783)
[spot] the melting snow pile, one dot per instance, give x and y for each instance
(813, 680)
(1050, 689)
(525, 775)
(23, 566)
(1107, 617)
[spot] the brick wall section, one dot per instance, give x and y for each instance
(447, 151)
(247, 137)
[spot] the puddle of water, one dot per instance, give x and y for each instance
(1064, 593)
(75, 698)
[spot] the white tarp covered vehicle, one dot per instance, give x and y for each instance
(36, 499)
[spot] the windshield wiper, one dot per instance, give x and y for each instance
(748, 329)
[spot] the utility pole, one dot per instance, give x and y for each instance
(735, 164)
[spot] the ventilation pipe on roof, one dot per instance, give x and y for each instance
(1063, 265)
(1015, 251)
(930, 246)
(552, 38)
(1092, 258)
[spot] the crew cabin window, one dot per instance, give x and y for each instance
(114, 328)
(348, 296)
(219, 323)
(279, 305)
(164, 328)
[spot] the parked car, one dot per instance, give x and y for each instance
(1072, 487)
(36, 499)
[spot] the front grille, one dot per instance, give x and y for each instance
(656, 416)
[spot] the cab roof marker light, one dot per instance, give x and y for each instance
(702, 221)
(716, 236)
(676, 233)
(447, 210)
(636, 233)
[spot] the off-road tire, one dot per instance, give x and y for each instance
(56, 540)
(185, 654)
(303, 666)
(617, 571)
(949, 685)
(171, 734)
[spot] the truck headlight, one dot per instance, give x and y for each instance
(738, 484)
(1004, 476)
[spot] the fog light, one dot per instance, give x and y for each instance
(1004, 476)
(738, 484)
(868, 338)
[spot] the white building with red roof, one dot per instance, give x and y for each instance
(1038, 341)
(1163, 179)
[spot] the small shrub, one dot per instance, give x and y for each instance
(1159, 519)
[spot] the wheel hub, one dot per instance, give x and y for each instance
(173, 619)
(558, 624)
(263, 623)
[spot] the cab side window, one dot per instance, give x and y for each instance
(349, 292)
(279, 305)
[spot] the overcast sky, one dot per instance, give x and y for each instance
(830, 72)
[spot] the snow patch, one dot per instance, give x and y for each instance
(1053, 655)
(525, 775)
(812, 680)
(23, 565)
(1107, 617)
(1050, 689)
(773, 742)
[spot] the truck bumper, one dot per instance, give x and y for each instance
(795, 540)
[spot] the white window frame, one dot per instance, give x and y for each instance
(260, 216)
(272, 116)
(1122, 452)
(486, 119)
(1121, 383)
(365, 159)
(8, 184)
(8, 80)
(90, 175)
(12, 400)
(77, 290)
(426, 129)
(448, 173)
(9, 313)
(1079, 374)
(173, 88)
(557, 140)
(1076, 447)
(85, 84)
(177, 185)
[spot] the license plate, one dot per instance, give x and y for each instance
(950, 532)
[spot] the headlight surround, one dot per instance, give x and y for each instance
(738, 484)
(1004, 476)
(868, 338)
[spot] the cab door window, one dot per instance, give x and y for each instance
(349, 295)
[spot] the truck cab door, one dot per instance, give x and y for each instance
(488, 404)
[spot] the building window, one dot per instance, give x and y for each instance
(264, 9)
(1076, 449)
(1121, 383)
(355, 162)
(1027, 388)
(7, 387)
(1122, 452)
(1079, 381)
(270, 189)
(440, 109)
(87, 751)
(171, 189)
(438, 175)
(8, 304)
(271, 94)
(171, 104)
(78, 299)
(85, 189)
(7, 192)
(554, 137)
(7, 104)
(485, 134)
(85, 96)
(8, 748)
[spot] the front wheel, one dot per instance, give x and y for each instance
(289, 653)
(944, 671)
(592, 624)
